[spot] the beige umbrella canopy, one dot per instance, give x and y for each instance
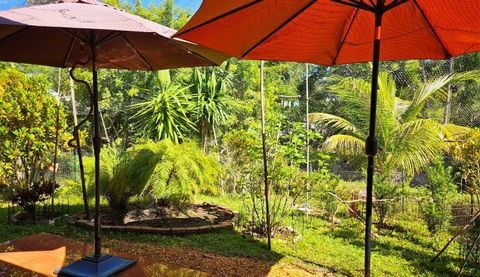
(60, 34)
(94, 35)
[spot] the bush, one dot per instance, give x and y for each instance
(166, 172)
(438, 197)
(386, 193)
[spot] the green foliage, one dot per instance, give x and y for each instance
(183, 171)
(165, 116)
(407, 140)
(466, 151)
(212, 101)
(27, 135)
(386, 193)
(438, 197)
(166, 172)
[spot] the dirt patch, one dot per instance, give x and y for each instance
(214, 264)
(194, 215)
(151, 260)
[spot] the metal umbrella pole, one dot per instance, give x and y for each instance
(98, 264)
(371, 144)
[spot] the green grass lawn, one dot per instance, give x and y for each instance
(404, 249)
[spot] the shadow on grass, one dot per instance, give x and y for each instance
(393, 242)
(225, 244)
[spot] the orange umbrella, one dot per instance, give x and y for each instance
(90, 34)
(333, 32)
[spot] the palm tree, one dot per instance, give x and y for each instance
(166, 115)
(407, 140)
(212, 100)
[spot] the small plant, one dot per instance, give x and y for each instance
(439, 192)
(386, 193)
(28, 196)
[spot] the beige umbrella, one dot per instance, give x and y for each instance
(95, 35)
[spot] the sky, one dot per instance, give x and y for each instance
(192, 4)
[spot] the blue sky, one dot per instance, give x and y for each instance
(192, 4)
(8, 4)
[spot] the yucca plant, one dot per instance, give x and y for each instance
(166, 114)
(212, 102)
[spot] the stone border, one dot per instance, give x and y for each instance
(159, 230)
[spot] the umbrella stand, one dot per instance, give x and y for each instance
(97, 264)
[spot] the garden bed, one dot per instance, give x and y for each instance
(191, 219)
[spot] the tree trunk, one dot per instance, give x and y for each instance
(79, 151)
(448, 103)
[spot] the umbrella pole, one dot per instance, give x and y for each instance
(371, 144)
(98, 264)
(96, 151)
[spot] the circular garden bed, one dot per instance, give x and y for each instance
(191, 219)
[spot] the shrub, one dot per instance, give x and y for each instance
(386, 193)
(438, 197)
(166, 172)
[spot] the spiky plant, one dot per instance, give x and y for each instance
(165, 115)
(212, 101)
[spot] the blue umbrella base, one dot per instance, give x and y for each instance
(103, 266)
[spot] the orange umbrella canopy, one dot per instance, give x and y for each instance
(61, 34)
(327, 32)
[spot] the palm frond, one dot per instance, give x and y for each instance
(453, 132)
(413, 145)
(334, 124)
(345, 144)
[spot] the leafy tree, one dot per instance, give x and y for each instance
(165, 116)
(27, 136)
(466, 151)
(408, 142)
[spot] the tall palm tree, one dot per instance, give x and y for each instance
(210, 93)
(407, 140)
(166, 114)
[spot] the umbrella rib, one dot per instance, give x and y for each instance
(172, 41)
(278, 28)
(395, 4)
(109, 37)
(75, 36)
(7, 37)
(358, 5)
(447, 54)
(345, 37)
(220, 16)
(130, 45)
(69, 50)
